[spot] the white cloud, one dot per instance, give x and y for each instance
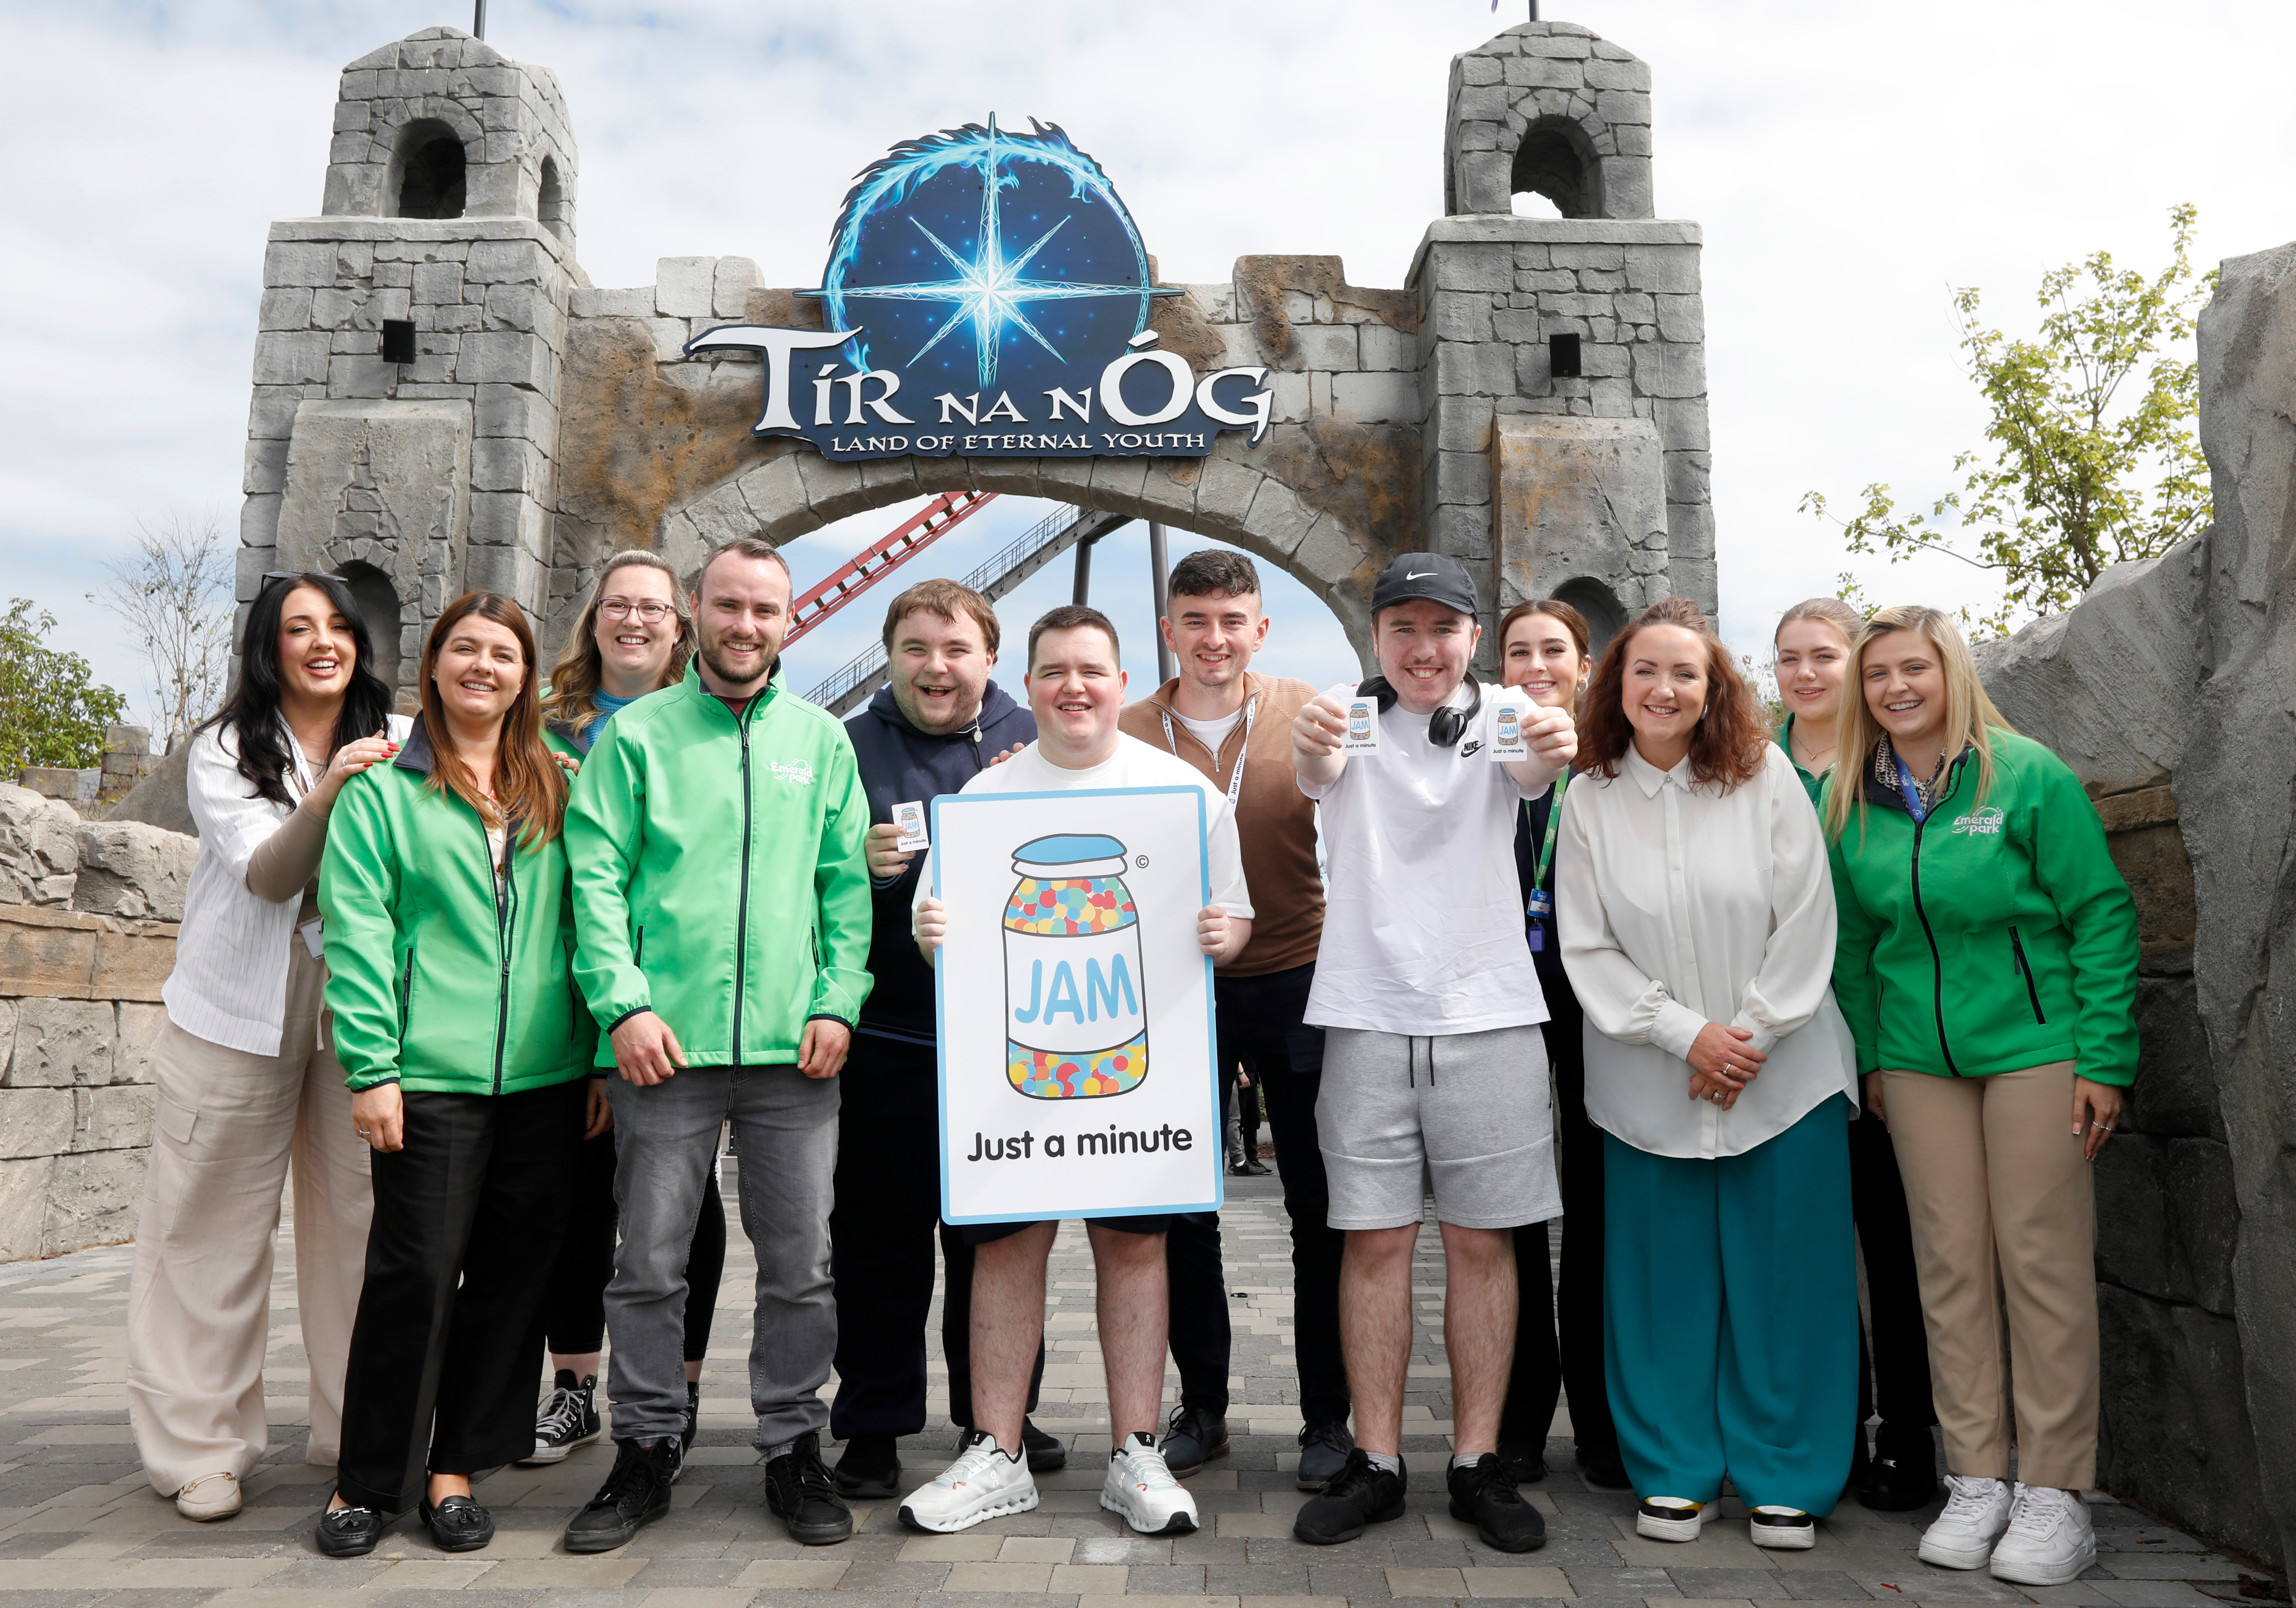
(1848, 164)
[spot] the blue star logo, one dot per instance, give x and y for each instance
(1018, 241)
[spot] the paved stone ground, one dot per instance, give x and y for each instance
(79, 1526)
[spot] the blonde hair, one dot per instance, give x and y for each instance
(1970, 717)
(1833, 611)
(574, 679)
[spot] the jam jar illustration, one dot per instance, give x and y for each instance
(1075, 1027)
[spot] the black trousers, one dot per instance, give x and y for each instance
(1893, 1371)
(446, 1346)
(1247, 1116)
(1259, 1021)
(1547, 1362)
(574, 1304)
(881, 1237)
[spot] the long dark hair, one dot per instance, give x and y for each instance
(251, 711)
(530, 788)
(1726, 747)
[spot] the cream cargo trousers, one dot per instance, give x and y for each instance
(198, 1305)
(2005, 1224)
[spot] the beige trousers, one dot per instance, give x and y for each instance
(199, 1307)
(2004, 1217)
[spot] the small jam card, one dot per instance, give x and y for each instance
(1362, 736)
(1506, 734)
(910, 819)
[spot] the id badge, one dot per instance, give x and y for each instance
(1540, 904)
(1538, 940)
(310, 933)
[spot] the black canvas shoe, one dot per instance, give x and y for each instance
(350, 1532)
(1484, 1496)
(1323, 1449)
(801, 1491)
(871, 1466)
(458, 1523)
(693, 1419)
(1193, 1439)
(1524, 1465)
(1361, 1493)
(1047, 1454)
(568, 1418)
(635, 1494)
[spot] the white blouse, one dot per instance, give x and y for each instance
(1678, 905)
(229, 986)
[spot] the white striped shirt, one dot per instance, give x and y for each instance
(229, 986)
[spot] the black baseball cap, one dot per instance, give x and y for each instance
(1435, 576)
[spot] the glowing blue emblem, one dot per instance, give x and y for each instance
(993, 283)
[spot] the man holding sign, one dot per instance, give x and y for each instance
(1433, 1065)
(1076, 689)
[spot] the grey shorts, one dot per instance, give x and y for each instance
(1463, 1116)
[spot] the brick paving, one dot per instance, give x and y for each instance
(78, 1525)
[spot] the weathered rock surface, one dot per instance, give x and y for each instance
(39, 849)
(161, 797)
(133, 869)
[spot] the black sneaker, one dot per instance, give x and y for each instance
(1524, 1465)
(1361, 1493)
(635, 1493)
(458, 1523)
(799, 1489)
(1323, 1449)
(1902, 1473)
(1603, 1467)
(1193, 1439)
(1047, 1454)
(693, 1419)
(568, 1418)
(870, 1467)
(1484, 1496)
(350, 1532)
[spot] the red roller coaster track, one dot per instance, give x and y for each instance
(936, 519)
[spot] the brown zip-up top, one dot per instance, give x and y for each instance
(1275, 821)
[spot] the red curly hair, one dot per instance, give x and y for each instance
(1726, 747)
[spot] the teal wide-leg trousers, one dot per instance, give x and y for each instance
(1730, 1317)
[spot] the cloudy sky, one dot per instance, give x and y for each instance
(1849, 162)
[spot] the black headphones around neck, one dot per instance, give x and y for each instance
(1447, 725)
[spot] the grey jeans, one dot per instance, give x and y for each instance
(785, 1144)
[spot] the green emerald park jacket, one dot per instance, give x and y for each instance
(719, 880)
(1994, 935)
(434, 983)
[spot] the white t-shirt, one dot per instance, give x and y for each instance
(1423, 921)
(1135, 764)
(1211, 733)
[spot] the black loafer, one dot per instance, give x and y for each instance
(458, 1524)
(1047, 1454)
(1484, 1496)
(871, 1466)
(350, 1532)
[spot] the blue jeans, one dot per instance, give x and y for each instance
(785, 1144)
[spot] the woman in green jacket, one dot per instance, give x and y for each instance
(1987, 968)
(450, 941)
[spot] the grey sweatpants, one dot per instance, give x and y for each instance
(785, 1145)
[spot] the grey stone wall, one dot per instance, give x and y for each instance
(87, 934)
(2167, 689)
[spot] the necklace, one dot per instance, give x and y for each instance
(1811, 756)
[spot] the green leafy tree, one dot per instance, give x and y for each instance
(50, 711)
(2091, 459)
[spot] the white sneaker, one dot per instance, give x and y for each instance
(1141, 1489)
(1976, 1513)
(216, 1496)
(1783, 1528)
(982, 1484)
(1672, 1518)
(2050, 1540)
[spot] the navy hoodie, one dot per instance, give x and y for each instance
(900, 763)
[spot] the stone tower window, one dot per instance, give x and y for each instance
(1555, 161)
(1598, 604)
(551, 204)
(428, 171)
(378, 606)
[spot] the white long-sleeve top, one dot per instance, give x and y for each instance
(229, 986)
(1678, 905)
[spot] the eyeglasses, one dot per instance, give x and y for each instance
(651, 610)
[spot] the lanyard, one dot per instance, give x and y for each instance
(1236, 781)
(1554, 820)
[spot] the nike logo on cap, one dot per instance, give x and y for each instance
(1418, 574)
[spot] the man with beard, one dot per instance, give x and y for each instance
(938, 724)
(721, 908)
